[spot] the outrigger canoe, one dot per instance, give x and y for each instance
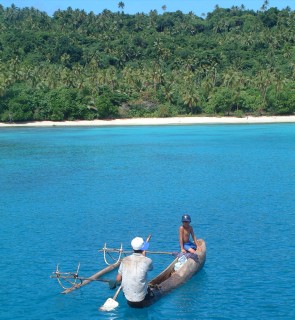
(169, 279)
(162, 284)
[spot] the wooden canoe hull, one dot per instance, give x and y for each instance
(169, 279)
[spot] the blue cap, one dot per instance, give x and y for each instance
(186, 218)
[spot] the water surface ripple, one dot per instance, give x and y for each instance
(64, 192)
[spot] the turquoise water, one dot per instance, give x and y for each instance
(64, 192)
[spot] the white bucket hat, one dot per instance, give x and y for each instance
(139, 244)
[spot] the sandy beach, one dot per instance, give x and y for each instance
(156, 121)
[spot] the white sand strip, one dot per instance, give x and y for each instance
(156, 121)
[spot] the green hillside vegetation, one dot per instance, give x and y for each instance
(78, 65)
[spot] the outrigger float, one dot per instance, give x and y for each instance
(169, 279)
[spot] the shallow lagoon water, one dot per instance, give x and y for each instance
(65, 192)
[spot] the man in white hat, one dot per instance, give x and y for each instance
(133, 274)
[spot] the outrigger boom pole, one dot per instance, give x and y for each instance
(120, 251)
(129, 252)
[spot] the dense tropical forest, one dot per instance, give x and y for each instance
(78, 65)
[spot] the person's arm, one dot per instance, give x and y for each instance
(181, 239)
(119, 277)
(151, 267)
(193, 236)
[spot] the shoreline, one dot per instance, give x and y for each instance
(155, 121)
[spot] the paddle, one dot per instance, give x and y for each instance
(111, 303)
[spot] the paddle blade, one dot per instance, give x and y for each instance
(109, 305)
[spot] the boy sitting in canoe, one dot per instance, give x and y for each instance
(184, 236)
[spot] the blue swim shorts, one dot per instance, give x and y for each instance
(188, 245)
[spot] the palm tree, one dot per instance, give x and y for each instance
(190, 99)
(169, 92)
(262, 82)
(264, 6)
(121, 5)
(2, 89)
